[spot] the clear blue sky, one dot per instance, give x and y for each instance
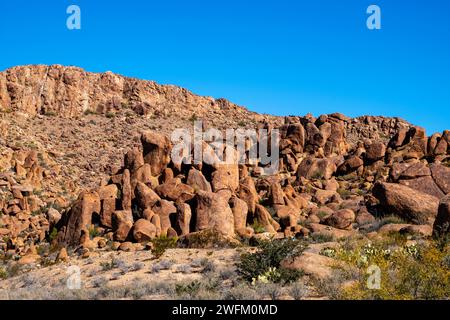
(280, 57)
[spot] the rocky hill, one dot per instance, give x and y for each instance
(85, 163)
(85, 122)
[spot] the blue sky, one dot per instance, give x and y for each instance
(280, 57)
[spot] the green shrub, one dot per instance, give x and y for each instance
(442, 236)
(111, 264)
(190, 289)
(322, 237)
(161, 244)
(391, 219)
(93, 232)
(208, 238)
(344, 193)
(89, 112)
(265, 263)
(3, 273)
(322, 214)
(258, 227)
(53, 234)
(408, 271)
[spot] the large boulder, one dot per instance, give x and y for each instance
(127, 192)
(143, 174)
(276, 194)
(184, 215)
(375, 151)
(314, 168)
(441, 175)
(341, 219)
(442, 223)
(167, 213)
(197, 181)
(157, 148)
(108, 197)
(175, 190)
(247, 192)
(263, 217)
(295, 138)
(424, 184)
(122, 222)
(240, 211)
(410, 204)
(79, 218)
(134, 160)
(415, 170)
(145, 197)
(331, 232)
(351, 164)
(226, 177)
(315, 137)
(143, 230)
(213, 212)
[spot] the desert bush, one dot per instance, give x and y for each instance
(93, 232)
(199, 290)
(264, 265)
(258, 227)
(226, 274)
(209, 267)
(183, 268)
(442, 237)
(322, 237)
(268, 290)
(114, 263)
(188, 289)
(3, 273)
(137, 266)
(50, 114)
(298, 291)
(331, 287)
(162, 265)
(99, 282)
(199, 262)
(208, 238)
(243, 291)
(344, 193)
(408, 271)
(161, 244)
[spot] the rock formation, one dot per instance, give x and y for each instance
(79, 162)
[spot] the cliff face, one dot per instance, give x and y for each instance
(71, 92)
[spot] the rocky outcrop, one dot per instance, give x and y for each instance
(334, 170)
(71, 92)
(78, 219)
(442, 224)
(412, 205)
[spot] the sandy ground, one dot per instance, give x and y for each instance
(177, 274)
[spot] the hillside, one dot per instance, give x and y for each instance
(86, 170)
